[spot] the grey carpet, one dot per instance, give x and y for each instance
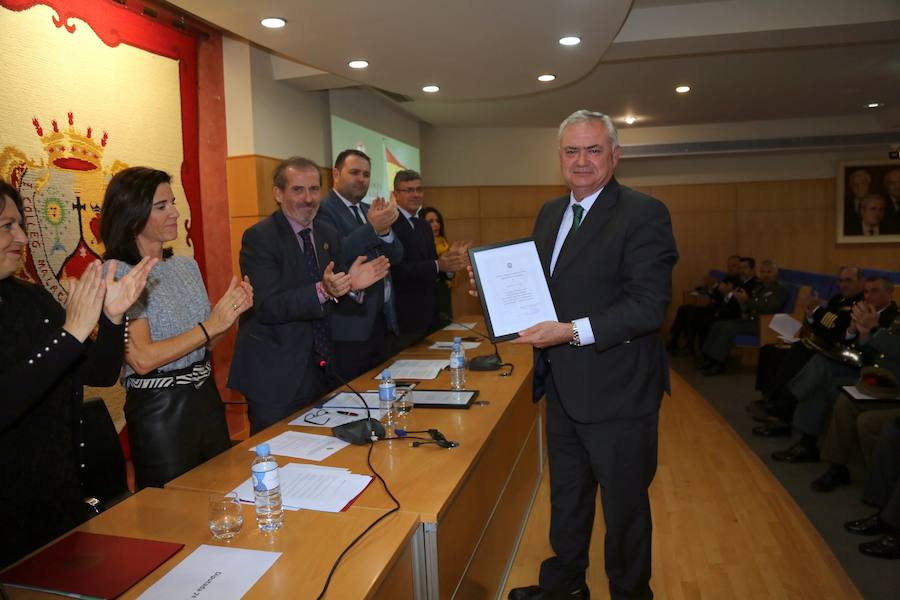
(730, 394)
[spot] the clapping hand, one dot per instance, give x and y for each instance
(740, 295)
(454, 259)
(121, 294)
(84, 302)
(364, 273)
(473, 289)
(335, 284)
(382, 214)
(236, 300)
(863, 317)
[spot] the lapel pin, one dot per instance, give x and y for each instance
(325, 246)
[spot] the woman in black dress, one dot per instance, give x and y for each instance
(46, 357)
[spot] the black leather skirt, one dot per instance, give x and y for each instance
(173, 429)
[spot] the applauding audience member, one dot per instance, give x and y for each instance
(175, 417)
(46, 357)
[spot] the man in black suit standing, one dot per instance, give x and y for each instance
(413, 279)
(608, 253)
(290, 258)
(361, 331)
(891, 224)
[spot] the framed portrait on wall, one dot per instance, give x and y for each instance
(868, 202)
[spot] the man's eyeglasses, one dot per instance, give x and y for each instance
(319, 417)
(415, 190)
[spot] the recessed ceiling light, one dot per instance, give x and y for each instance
(273, 22)
(358, 64)
(874, 104)
(630, 119)
(570, 40)
(683, 89)
(430, 89)
(546, 77)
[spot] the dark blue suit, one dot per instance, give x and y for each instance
(274, 365)
(414, 278)
(360, 330)
(603, 399)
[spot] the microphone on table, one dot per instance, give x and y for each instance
(359, 432)
(485, 362)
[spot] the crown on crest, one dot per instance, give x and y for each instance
(70, 149)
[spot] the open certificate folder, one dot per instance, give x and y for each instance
(328, 489)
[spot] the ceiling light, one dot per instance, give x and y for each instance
(430, 89)
(273, 22)
(630, 119)
(683, 89)
(570, 40)
(874, 104)
(358, 64)
(546, 77)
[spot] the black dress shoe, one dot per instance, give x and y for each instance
(835, 476)
(871, 525)
(536, 592)
(716, 368)
(773, 430)
(884, 547)
(798, 453)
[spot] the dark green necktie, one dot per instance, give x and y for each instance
(578, 213)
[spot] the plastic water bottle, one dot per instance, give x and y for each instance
(266, 489)
(387, 395)
(457, 365)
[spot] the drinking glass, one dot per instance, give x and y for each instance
(225, 515)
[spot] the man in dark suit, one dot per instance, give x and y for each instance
(290, 259)
(860, 183)
(414, 278)
(361, 331)
(891, 224)
(608, 254)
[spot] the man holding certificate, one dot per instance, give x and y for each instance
(607, 252)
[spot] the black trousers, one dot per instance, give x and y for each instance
(172, 430)
(264, 412)
(883, 479)
(352, 359)
(620, 457)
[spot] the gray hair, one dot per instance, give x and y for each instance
(298, 163)
(886, 284)
(584, 116)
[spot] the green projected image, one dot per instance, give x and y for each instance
(388, 155)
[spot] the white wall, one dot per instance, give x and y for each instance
(486, 156)
(370, 110)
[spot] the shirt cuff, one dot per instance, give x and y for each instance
(323, 295)
(585, 333)
(389, 238)
(436, 268)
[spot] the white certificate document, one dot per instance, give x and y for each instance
(512, 287)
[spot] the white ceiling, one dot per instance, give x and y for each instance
(746, 60)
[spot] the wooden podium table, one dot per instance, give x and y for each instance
(472, 500)
(379, 567)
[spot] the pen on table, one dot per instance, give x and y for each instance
(347, 412)
(408, 389)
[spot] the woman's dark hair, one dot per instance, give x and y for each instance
(126, 208)
(427, 209)
(8, 191)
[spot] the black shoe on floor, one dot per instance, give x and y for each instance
(836, 475)
(798, 453)
(773, 430)
(871, 525)
(716, 368)
(536, 592)
(884, 547)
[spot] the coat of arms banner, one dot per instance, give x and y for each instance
(92, 87)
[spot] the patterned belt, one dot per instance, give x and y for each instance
(194, 375)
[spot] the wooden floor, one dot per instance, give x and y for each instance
(723, 525)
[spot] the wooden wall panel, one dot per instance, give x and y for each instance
(499, 230)
(792, 238)
(696, 198)
(454, 203)
(240, 172)
(781, 195)
(516, 201)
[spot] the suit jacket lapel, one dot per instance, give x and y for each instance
(546, 239)
(594, 222)
(324, 251)
(289, 239)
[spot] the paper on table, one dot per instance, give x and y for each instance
(449, 346)
(459, 326)
(310, 446)
(416, 369)
(312, 487)
(858, 395)
(213, 572)
(330, 417)
(351, 401)
(785, 326)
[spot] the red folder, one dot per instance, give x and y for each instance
(90, 564)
